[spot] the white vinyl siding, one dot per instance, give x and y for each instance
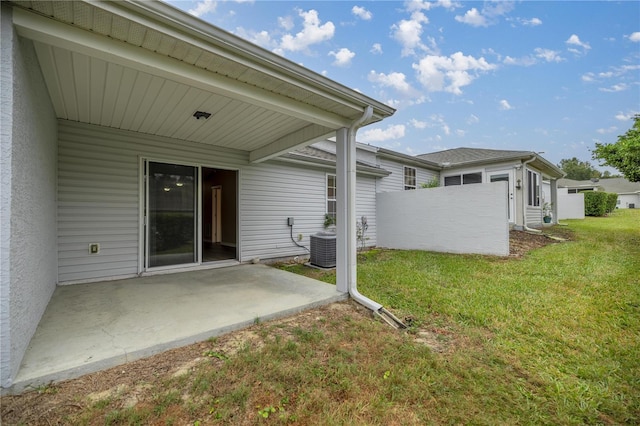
(270, 193)
(366, 206)
(98, 194)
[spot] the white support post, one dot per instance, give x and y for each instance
(553, 183)
(346, 260)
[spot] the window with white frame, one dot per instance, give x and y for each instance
(409, 178)
(533, 188)
(463, 179)
(331, 196)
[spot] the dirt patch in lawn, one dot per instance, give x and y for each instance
(522, 242)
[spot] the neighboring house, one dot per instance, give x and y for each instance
(136, 138)
(524, 172)
(628, 192)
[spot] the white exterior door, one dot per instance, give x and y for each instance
(507, 176)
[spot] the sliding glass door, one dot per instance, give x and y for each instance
(171, 214)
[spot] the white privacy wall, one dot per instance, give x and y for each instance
(570, 206)
(452, 219)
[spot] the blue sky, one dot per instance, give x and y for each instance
(545, 76)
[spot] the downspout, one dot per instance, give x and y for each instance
(524, 205)
(352, 284)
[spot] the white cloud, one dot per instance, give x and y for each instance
(548, 55)
(473, 119)
(574, 40)
(286, 22)
(343, 57)
(376, 49)
(615, 88)
(533, 22)
(204, 7)
(605, 131)
(588, 77)
(450, 74)
(361, 13)
(473, 18)
(413, 5)
(312, 32)
(635, 37)
(504, 105)
(396, 80)
(621, 116)
(409, 33)
(489, 15)
(418, 124)
(525, 61)
(395, 131)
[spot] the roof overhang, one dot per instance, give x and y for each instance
(548, 169)
(408, 159)
(148, 67)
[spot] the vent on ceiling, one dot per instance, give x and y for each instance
(323, 250)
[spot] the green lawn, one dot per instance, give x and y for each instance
(550, 338)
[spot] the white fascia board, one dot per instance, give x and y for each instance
(48, 31)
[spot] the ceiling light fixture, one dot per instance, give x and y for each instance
(201, 114)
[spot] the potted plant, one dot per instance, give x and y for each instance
(546, 212)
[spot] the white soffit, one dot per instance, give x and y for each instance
(154, 89)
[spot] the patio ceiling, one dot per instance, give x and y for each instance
(147, 67)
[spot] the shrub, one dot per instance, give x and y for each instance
(595, 203)
(612, 201)
(433, 183)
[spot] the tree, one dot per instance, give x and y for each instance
(578, 170)
(624, 154)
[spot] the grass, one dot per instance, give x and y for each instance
(556, 335)
(550, 338)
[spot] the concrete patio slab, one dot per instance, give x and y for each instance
(90, 327)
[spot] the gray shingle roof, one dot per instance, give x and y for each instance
(617, 185)
(459, 156)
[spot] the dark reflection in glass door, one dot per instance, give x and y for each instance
(171, 214)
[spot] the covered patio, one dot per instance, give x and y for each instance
(90, 327)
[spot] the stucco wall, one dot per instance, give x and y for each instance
(30, 150)
(439, 219)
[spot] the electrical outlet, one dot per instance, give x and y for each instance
(290, 221)
(94, 248)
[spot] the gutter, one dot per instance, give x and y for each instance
(352, 284)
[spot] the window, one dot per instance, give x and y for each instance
(533, 188)
(331, 196)
(464, 179)
(471, 178)
(409, 178)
